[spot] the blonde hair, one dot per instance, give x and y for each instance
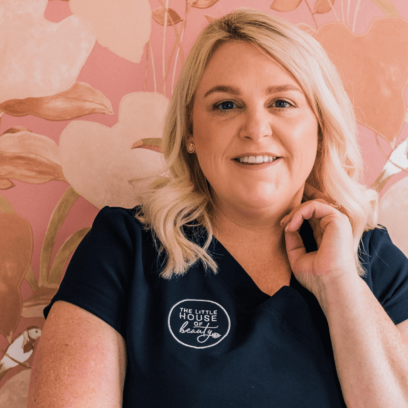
(169, 203)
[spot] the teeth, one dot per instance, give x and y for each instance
(257, 159)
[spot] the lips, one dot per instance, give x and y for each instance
(256, 160)
(256, 154)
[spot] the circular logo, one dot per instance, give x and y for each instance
(198, 323)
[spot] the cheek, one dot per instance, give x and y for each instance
(209, 139)
(201, 131)
(306, 156)
(310, 157)
(303, 146)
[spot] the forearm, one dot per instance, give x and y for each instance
(370, 353)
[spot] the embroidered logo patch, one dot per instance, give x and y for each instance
(198, 323)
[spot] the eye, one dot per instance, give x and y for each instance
(224, 106)
(282, 100)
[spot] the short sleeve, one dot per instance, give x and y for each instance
(98, 276)
(389, 275)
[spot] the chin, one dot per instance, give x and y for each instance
(256, 203)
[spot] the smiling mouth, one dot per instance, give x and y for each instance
(252, 160)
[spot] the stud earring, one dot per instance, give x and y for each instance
(191, 148)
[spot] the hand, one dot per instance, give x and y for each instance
(334, 238)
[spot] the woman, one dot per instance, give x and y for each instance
(224, 288)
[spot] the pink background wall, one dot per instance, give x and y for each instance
(79, 91)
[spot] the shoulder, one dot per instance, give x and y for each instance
(122, 226)
(378, 246)
(114, 231)
(119, 219)
(115, 213)
(387, 272)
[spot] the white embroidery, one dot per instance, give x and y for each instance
(204, 322)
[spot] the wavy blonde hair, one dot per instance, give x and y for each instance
(183, 197)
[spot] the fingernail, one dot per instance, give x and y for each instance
(282, 220)
(287, 227)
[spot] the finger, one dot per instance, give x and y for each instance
(315, 223)
(295, 247)
(306, 211)
(289, 216)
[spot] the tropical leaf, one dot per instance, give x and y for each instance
(202, 4)
(7, 208)
(323, 6)
(5, 205)
(34, 305)
(285, 5)
(31, 279)
(306, 28)
(159, 16)
(16, 129)
(152, 143)
(29, 157)
(79, 100)
(16, 247)
(387, 7)
(5, 184)
(57, 218)
(33, 170)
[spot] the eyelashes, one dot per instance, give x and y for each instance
(228, 105)
(282, 100)
(224, 103)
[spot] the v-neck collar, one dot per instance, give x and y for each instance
(243, 288)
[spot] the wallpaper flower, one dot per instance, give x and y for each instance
(84, 92)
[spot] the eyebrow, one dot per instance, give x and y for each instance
(236, 91)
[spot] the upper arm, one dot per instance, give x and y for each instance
(403, 328)
(79, 361)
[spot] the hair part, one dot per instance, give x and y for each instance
(174, 201)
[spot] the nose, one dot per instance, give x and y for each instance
(256, 124)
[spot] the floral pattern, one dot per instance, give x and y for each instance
(84, 91)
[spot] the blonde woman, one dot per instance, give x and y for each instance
(255, 274)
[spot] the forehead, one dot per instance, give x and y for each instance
(244, 64)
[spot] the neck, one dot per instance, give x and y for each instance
(252, 230)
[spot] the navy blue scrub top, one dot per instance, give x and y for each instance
(216, 340)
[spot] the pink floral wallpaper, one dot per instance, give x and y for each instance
(85, 87)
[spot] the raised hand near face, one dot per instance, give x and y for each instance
(334, 238)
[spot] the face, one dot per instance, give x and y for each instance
(242, 121)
